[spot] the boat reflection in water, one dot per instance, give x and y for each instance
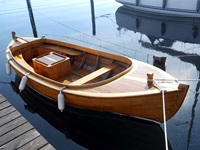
(170, 29)
(161, 32)
(96, 130)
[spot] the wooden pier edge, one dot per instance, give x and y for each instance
(16, 132)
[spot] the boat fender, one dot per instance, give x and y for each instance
(8, 68)
(61, 100)
(23, 82)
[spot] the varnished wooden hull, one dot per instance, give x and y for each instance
(126, 93)
(95, 124)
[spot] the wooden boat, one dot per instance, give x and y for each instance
(94, 80)
(181, 8)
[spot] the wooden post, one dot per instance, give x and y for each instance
(164, 4)
(198, 6)
(150, 79)
(31, 18)
(93, 17)
(137, 2)
(13, 35)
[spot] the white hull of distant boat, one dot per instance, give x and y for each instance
(184, 8)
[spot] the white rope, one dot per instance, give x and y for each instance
(176, 79)
(164, 118)
(164, 112)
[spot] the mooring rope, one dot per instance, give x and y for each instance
(164, 118)
(162, 90)
(3, 50)
(176, 80)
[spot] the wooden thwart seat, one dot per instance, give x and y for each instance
(71, 52)
(94, 74)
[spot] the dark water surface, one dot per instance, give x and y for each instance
(118, 30)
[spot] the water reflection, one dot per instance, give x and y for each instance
(170, 29)
(196, 97)
(162, 32)
(159, 62)
(96, 130)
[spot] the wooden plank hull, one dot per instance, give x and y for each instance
(127, 92)
(94, 124)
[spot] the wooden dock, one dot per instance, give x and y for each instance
(16, 132)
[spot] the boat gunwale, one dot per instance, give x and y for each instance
(71, 88)
(57, 86)
(11, 49)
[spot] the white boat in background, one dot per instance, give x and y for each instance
(184, 8)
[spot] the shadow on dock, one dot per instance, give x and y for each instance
(96, 130)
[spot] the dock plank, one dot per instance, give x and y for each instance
(9, 117)
(6, 111)
(12, 125)
(46, 147)
(2, 99)
(4, 105)
(16, 132)
(35, 144)
(22, 139)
